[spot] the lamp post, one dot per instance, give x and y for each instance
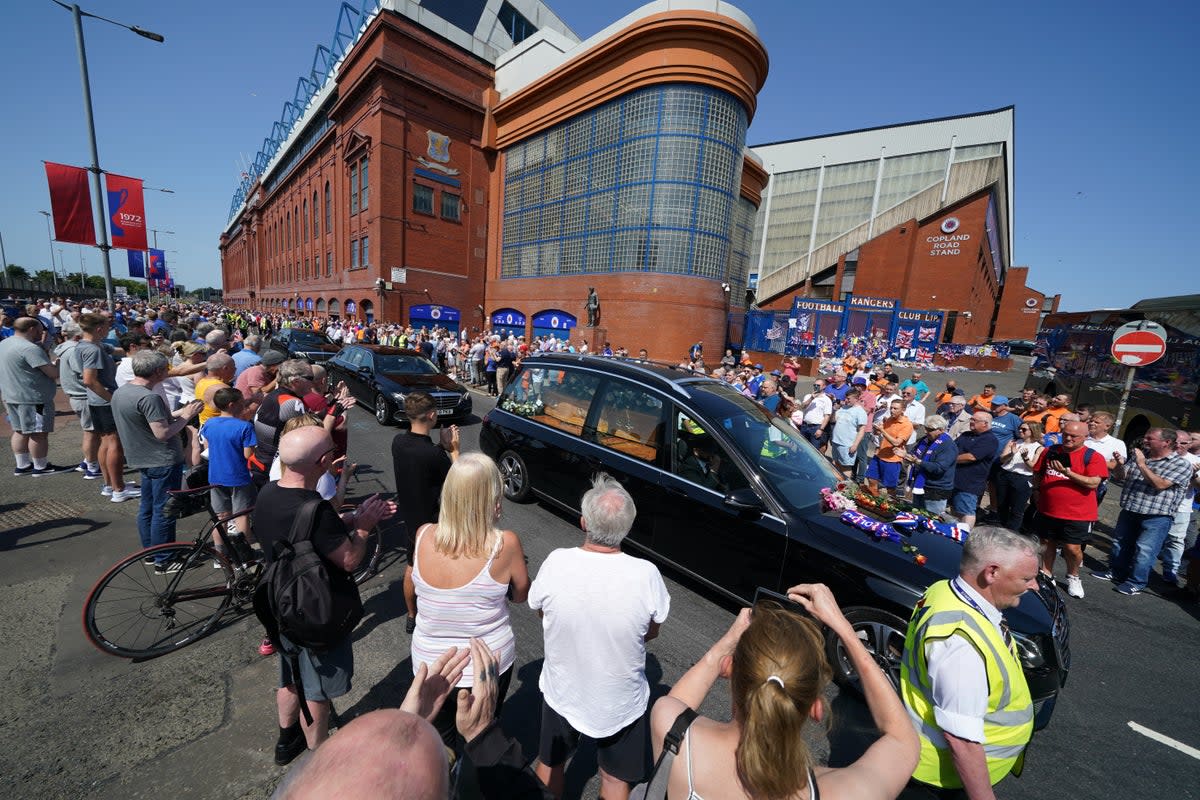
(50, 236)
(97, 192)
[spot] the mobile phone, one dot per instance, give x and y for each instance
(786, 602)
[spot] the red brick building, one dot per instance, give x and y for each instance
(482, 168)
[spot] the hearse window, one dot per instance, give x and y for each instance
(629, 420)
(555, 397)
(698, 457)
(354, 358)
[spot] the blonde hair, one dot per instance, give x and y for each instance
(779, 672)
(470, 506)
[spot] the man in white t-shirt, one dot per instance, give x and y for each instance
(814, 412)
(599, 607)
(1100, 439)
(914, 409)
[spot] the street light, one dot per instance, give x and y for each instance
(50, 234)
(97, 193)
(156, 232)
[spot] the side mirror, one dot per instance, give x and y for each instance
(745, 501)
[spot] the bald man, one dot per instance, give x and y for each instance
(341, 544)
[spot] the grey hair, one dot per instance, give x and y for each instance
(253, 342)
(216, 337)
(147, 362)
(1168, 435)
(71, 329)
(205, 328)
(291, 369)
(935, 422)
(990, 544)
(608, 511)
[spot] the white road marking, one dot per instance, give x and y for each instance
(1167, 740)
(1138, 348)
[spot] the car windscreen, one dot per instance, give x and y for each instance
(404, 365)
(772, 445)
(308, 337)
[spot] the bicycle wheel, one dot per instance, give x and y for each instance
(369, 566)
(135, 611)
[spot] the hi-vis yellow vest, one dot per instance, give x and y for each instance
(1008, 722)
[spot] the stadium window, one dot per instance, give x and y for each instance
(304, 222)
(354, 188)
(364, 243)
(328, 210)
(328, 263)
(515, 25)
(354, 254)
(289, 230)
(422, 199)
(316, 224)
(450, 206)
(363, 184)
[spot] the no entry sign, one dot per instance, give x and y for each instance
(1137, 344)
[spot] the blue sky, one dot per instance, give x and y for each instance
(1106, 109)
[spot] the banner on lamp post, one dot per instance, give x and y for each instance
(158, 265)
(126, 212)
(137, 264)
(71, 203)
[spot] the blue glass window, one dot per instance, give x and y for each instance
(647, 182)
(514, 23)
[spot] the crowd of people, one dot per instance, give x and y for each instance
(195, 390)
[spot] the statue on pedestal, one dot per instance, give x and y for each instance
(593, 307)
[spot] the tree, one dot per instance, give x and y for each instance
(16, 271)
(44, 276)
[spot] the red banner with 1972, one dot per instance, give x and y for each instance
(126, 212)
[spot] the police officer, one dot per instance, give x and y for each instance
(960, 676)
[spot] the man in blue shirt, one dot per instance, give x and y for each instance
(248, 356)
(977, 449)
(918, 384)
(754, 385)
(837, 388)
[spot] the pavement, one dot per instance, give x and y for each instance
(200, 723)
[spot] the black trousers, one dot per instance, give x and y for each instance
(1012, 495)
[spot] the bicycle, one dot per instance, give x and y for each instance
(165, 597)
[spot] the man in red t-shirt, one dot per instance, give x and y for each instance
(1066, 479)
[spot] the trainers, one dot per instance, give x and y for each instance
(91, 474)
(1170, 579)
(1104, 575)
(265, 648)
(1129, 589)
(83, 467)
(19, 471)
(148, 561)
(128, 493)
(106, 490)
(290, 744)
(1074, 586)
(50, 469)
(167, 567)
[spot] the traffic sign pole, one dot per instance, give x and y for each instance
(1136, 344)
(1124, 399)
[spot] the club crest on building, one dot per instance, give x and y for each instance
(438, 153)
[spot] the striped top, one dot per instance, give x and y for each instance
(451, 617)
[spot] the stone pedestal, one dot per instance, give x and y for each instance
(595, 338)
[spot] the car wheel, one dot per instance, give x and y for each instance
(383, 410)
(515, 475)
(882, 633)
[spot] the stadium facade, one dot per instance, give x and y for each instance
(474, 164)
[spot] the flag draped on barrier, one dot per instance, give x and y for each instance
(126, 212)
(137, 264)
(71, 204)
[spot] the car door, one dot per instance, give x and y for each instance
(735, 549)
(627, 426)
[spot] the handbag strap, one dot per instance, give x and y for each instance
(656, 788)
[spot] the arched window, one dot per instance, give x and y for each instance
(288, 225)
(328, 211)
(316, 226)
(304, 221)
